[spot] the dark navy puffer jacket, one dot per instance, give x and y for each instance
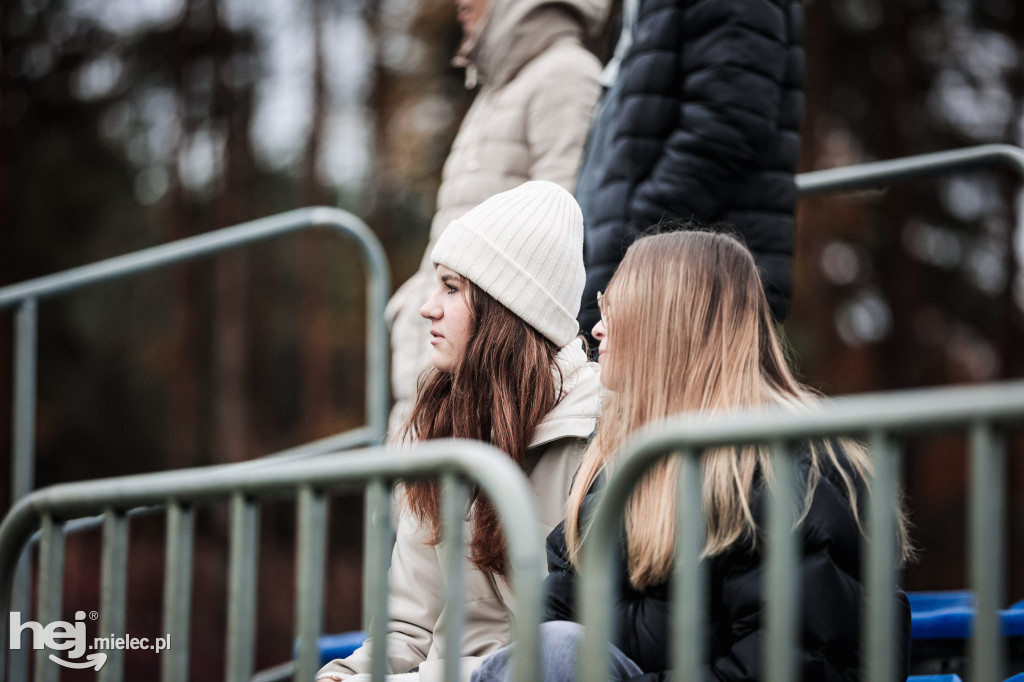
(831, 596)
(706, 129)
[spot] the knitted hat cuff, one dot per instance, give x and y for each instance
(471, 254)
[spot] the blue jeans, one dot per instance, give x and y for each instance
(559, 651)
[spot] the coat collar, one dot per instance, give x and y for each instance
(575, 415)
(512, 32)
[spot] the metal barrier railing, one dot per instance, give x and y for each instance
(26, 295)
(457, 463)
(923, 166)
(881, 418)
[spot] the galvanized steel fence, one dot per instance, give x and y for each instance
(24, 297)
(458, 464)
(882, 420)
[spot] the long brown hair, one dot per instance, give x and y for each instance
(503, 386)
(689, 329)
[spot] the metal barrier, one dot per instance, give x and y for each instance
(881, 418)
(26, 295)
(923, 166)
(457, 463)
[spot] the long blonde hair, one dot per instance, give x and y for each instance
(689, 329)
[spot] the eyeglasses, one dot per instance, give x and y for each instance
(602, 306)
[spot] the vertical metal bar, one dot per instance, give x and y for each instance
(23, 457)
(987, 562)
(782, 586)
(689, 589)
(454, 516)
(113, 582)
(50, 591)
(599, 572)
(25, 340)
(378, 402)
(177, 593)
(879, 619)
(309, 580)
(242, 589)
(17, 663)
(379, 536)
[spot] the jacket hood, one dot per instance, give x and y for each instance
(512, 32)
(575, 415)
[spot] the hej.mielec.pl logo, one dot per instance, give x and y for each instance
(59, 636)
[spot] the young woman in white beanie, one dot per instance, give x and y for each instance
(509, 370)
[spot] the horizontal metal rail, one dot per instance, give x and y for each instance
(460, 463)
(354, 438)
(879, 417)
(877, 174)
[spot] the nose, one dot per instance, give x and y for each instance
(599, 330)
(431, 309)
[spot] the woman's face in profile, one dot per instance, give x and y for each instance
(450, 317)
(604, 348)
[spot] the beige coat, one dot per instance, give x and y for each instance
(528, 122)
(417, 576)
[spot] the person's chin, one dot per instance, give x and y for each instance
(443, 363)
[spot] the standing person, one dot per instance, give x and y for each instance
(685, 326)
(529, 121)
(509, 370)
(700, 122)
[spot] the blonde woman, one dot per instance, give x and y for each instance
(685, 326)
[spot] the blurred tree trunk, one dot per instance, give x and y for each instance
(316, 344)
(1010, 335)
(1011, 339)
(183, 366)
(899, 272)
(813, 301)
(381, 103)
(232, 115)
(8, 117)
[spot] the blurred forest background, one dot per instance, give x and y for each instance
(130, 123)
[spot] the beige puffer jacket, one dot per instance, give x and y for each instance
(417, 576)
(529, 121)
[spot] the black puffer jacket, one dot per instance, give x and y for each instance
(831, 596)
(706, 128)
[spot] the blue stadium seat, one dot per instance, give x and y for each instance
(941, 615)
(1013, 624)
(337, 646)
(950, 615)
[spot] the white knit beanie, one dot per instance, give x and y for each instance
(524, 247)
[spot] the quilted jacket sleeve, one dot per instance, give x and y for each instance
(733, 62)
